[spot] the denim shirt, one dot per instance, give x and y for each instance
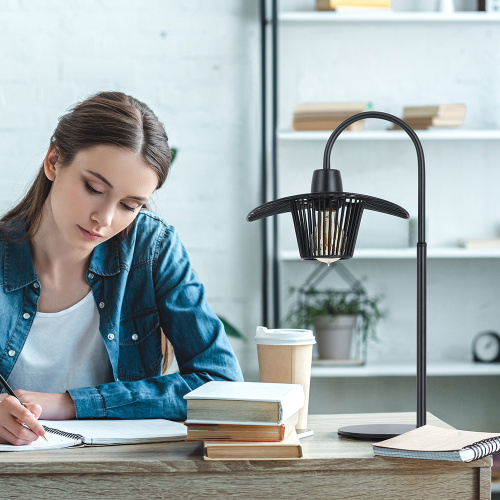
(141, 285)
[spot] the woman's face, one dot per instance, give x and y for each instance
(99, 194)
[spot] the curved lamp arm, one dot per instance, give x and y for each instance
(418, 146)
(421, 246)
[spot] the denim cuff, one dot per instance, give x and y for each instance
(88, 402)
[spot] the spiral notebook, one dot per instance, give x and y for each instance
(436, 443)
(67, 433)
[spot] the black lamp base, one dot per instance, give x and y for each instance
(375, 432)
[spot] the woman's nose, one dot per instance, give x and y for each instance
(103, 216)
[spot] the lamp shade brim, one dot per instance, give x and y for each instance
(284, 205)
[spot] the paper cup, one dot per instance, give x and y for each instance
(285, 356)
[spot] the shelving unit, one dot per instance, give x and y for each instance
(393, 135)
(388, 17)
(444, 368)
(395, 59)
(411, 253)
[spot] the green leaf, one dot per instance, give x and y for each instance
(231, 330)
(173, 153)
(315, 303)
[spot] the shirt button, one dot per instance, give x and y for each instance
(26, 315)
(91, 276)
(110, 336)
(36, 285)
(12, 353)
(101, 305)
(135, 336)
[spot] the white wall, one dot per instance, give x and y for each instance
(196, 64)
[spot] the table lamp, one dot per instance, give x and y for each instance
(326, 224)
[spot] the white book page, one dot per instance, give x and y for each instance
(116, 431)
(243, 391)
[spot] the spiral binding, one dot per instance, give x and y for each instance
(485, 447)
(64, 434)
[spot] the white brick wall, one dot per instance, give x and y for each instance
(196, 63)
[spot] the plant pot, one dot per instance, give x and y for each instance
(334, 336)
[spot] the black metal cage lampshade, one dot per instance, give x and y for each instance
(326, 224)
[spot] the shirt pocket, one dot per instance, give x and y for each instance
(140, 353)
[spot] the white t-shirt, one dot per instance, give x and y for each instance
(64, 350)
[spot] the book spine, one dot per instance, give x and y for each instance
(360, 3)
(291, 403)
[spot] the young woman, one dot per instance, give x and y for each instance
(90, 282)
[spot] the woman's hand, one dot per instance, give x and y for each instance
(55, 406)
(12, 417)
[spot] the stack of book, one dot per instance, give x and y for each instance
(327, 115)
(442, 115)
(245, 420)
(353, 5)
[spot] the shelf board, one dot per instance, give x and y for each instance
(387, 16)
(391, 135)
(410, 253)
(407, 369)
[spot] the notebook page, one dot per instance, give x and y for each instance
(432, 438)
(53, 441)
(116, 431)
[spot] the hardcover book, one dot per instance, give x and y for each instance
(230, 432)
(243, 403)
(223, 450)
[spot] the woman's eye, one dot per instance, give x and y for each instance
(90, 189)
(126, 207)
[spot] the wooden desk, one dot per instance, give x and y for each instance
(332, 467)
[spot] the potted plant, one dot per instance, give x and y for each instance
(335, 316)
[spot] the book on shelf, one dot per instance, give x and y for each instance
(301, 125)
(309, 110)
(67, 433)
(441, 110)
(242, 432)
(486, 243)
(243, 403)
(436, 443)
(338, 4)
(327, 115)
(289, 448)
(425, 123)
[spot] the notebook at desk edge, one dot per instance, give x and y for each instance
(67, 433)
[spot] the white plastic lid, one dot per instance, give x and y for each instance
(283, 336)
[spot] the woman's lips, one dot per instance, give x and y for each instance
(90, 236)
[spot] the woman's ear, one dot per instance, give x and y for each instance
(49, 164)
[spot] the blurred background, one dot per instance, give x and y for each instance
(197, 64)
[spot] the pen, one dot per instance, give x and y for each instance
(6, 386)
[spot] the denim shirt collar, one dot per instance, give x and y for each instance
(19, 270)
(105, 259)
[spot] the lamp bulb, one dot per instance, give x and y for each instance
(328, 237)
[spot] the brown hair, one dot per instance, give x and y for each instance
(111, 118)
